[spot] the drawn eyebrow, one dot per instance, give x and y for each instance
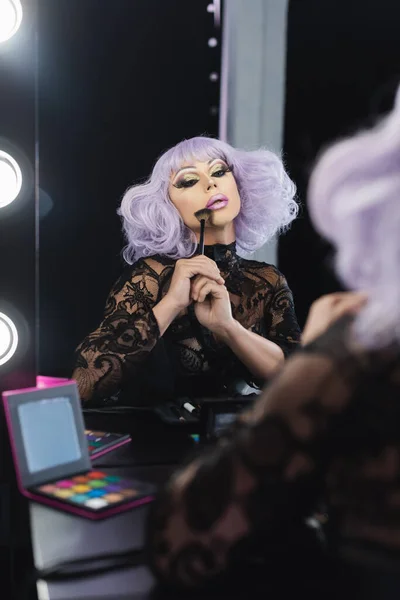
(193, 167)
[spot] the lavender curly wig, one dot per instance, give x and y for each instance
(354, 199)
(152, 224)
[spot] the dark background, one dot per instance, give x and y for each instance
(119, 83)
(17, 220)
(343, 66)
(17, 270)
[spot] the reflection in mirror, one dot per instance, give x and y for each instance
(210, 321)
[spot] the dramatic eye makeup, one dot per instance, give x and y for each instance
(220, 169)
(187, 180)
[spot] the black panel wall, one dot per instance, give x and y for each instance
(17, 275)
(119, 82)
(17, 219)
(343, 66)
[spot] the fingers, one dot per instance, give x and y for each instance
(343, 296)
(335, 300)
(202, 287)
(198, 283)
(199, 265)
(328, 309)
(211, 288)
(350, 305)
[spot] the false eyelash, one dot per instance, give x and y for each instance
(225, 169)
(181, 184)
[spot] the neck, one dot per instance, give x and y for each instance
(214, 235)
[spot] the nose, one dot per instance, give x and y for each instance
(211, 184)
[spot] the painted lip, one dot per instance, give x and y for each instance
(216, 202)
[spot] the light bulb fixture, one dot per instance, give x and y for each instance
(215, 8)
(10, 178)
(10, 18)
(8, 338)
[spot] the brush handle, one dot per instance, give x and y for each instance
(201, 244)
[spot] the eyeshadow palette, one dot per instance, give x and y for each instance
(94, 491)
(52, 463)
(101, 442)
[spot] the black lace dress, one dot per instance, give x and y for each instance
(127, 358)
(326, 429)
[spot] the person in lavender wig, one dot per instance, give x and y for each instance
(327, 428)
(179, 324)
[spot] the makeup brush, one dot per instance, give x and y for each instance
(203, 216)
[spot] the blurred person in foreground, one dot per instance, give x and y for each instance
(327, 428)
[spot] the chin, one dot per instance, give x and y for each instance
(222, 217)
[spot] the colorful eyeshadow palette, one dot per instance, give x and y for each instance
(52, 462)
(94, 491)
(101, 442)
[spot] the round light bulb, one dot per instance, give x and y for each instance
(8, 338)
(10, 18)
(10, 178)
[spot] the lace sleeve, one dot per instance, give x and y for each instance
(280, 318)
(266, 474)
(128, 332)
